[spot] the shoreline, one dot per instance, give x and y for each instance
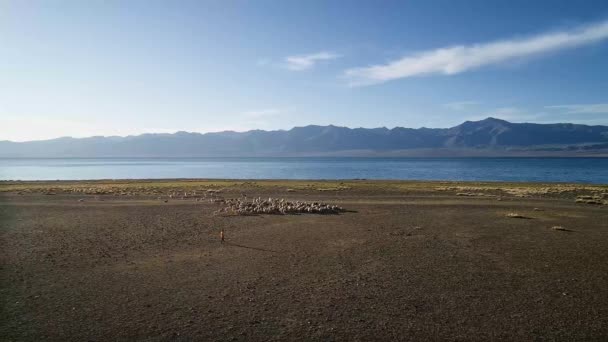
(192, 182)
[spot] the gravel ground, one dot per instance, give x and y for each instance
(395, 266)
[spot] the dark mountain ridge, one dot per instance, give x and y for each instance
(485, 137)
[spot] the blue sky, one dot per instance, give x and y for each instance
(83, 68)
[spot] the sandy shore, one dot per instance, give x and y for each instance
(142, 260)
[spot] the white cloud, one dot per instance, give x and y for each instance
(461, 105)
(594, 108)
(262, 113)
(460, 58)
(305, 62)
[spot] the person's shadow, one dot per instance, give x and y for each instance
(249, 247)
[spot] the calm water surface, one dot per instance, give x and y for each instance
(580, 170)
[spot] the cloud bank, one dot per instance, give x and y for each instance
(305, 62)
(461, 58)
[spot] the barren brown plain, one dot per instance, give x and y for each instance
(142, 260)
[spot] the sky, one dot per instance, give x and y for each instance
(88, 68)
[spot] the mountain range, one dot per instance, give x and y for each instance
(488, 137)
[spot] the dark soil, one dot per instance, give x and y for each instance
(431, 266)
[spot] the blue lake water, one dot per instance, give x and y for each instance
(579, 170)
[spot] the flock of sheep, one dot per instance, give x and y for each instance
(277, 207)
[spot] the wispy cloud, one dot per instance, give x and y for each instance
(253, 114)
(461, 58)
(594, 108)
(461, 105)
(305, 62)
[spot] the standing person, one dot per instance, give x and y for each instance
(222, 235)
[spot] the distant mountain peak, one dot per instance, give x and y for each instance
(492, 119)
(488, 120)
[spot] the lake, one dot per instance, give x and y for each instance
(573, 170)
